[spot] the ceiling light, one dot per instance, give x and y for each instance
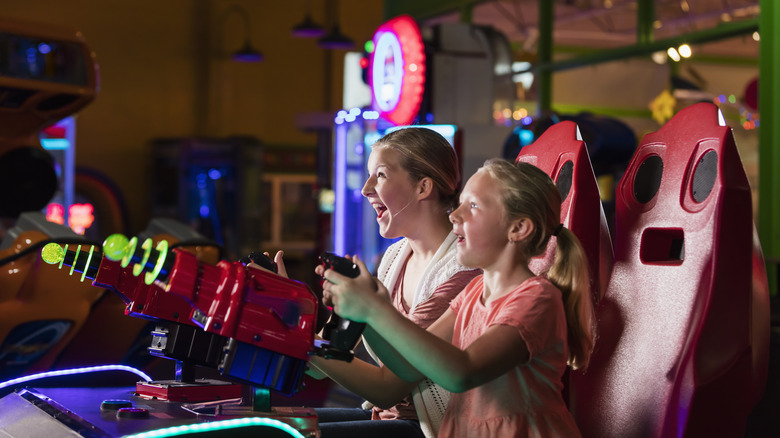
(308, 28)
(672, 52)
(335, 39)
(246, 53)
(659, 57)
(685, 51)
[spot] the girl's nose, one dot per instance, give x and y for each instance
(453, 216)
(368, 188)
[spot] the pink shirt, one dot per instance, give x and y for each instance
(424, 315)
(527, 401)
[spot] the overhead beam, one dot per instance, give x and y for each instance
(424, 9)
(723, 31)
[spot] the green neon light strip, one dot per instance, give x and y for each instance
(162, 249)
(65, 251)
(130, 251)
(76, 257)
(218, 426)
(86, 267)
(139, 267)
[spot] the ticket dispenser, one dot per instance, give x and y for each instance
(684, 324)
(562, 154)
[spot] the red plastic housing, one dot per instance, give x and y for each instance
(143, 301)
(248, 304)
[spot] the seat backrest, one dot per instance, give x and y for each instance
(562, 154)
(677, 353)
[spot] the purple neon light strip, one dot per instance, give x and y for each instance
(340, 184)
(72, 371)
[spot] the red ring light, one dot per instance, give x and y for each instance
(397, 70)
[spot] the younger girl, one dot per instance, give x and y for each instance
(505, 342)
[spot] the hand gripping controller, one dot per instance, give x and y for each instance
(341, 333)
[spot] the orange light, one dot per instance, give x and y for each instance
(80, 217)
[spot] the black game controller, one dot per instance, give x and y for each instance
(342, 334)
(261, 260)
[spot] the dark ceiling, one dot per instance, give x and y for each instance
(601, 24)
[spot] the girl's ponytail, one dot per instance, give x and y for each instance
(569, 273)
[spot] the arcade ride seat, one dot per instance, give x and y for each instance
(562, 154)
(40, 310)
(683, 342)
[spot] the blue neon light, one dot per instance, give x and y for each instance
(72, 371)
(218, 425)
(339, 186)
(215, 174)
(55, 144)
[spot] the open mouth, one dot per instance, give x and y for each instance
(380, 210)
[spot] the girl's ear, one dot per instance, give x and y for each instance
(425, 188)
(521, 229)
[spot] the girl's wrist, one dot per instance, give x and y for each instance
(380, 310)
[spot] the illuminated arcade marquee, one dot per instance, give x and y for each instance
(396, 78)
(397, 70)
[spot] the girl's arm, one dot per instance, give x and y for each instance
(390, 357)
(498, 350)
(376, 384)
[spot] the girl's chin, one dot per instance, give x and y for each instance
(385, 232)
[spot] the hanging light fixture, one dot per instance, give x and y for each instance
(308, 28)
(247, 53)
(335, 39)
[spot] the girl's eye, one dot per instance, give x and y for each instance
(381, 175)
(473, 205)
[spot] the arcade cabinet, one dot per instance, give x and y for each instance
(48, 74)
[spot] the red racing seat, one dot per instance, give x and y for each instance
(562, 154)
(683, 342)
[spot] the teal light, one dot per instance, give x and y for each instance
(218, 426)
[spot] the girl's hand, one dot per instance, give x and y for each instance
(327, 297)
(353, 298)
(279, 260)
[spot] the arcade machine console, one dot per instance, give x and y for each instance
(250, 324)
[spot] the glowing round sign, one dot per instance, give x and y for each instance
(397, 70)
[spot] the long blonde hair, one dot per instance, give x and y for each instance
(530, 193)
